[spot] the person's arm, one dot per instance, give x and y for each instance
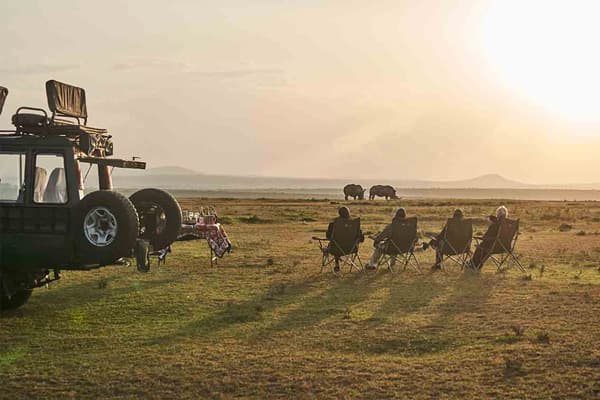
(492, 231)
(442, 233)
(329, 231)
(386, 233)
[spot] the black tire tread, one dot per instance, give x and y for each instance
(126, 233)
(170, 207)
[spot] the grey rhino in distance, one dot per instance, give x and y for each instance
(386, 191)
(355, 191)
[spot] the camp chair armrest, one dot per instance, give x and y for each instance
(319, 239)
(478, 237)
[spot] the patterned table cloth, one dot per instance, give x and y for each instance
(214, 234)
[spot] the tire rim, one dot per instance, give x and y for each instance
(100, 226)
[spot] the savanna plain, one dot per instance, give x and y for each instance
(266, 323)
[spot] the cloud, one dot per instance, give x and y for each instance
(33, 69)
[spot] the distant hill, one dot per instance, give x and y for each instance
(169, 170)
(173, 177)
(172, 170)
(489, 181)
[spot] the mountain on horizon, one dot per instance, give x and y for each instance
(172, 170)
(175, 177)
(488, 181)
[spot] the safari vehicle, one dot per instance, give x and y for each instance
(46, 222)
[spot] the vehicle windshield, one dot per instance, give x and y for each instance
(12, 170)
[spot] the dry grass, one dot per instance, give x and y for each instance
(265, 324)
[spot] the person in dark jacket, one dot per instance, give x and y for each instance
(482, 252)
(344, 213)
(436, 242)
(379, 241)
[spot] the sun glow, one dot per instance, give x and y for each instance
(548, 50)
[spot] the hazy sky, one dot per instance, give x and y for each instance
(391, 89)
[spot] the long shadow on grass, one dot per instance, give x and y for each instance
(336, 299)
(316, 297)
(468, 295)
(384, 332)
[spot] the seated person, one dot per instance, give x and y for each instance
(379, 241)
(344, 213)
(435, 242)
(482, 252)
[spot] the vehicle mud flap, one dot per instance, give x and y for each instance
(142, 255)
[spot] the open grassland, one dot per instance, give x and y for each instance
(265, 323)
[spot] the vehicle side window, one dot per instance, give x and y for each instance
(12, 172)
(50, 183)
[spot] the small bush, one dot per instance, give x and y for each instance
(102, 283)
(518, 330)
(565, 227)
(270, 261)
(581, 233)
(513, 367)
(254, 219)
(532, 265)
(543, 337)
(225, 220)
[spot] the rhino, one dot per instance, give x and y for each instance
(386, 191)
(355, 191)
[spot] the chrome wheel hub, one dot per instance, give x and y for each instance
(100, 226)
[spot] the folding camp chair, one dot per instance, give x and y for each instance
(503, 247)
(401, 245)
(344, 242)
(455, 244)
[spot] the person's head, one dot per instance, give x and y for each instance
(501, 212)
(400, 213)
(458, 213)
(344, 212)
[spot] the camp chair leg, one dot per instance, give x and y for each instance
(516, 261)
(326, 258)
(357, 263)
(351, 261)
(512, 257)
(460, 260)
(387, 260)
(414, 262)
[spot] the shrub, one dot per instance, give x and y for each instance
(543, 337)
(254, 219)
(102, 283)
(565, 227)
(518, 330)
(513, 367)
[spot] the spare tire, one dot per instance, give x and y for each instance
(106, 227)
(160, 216)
